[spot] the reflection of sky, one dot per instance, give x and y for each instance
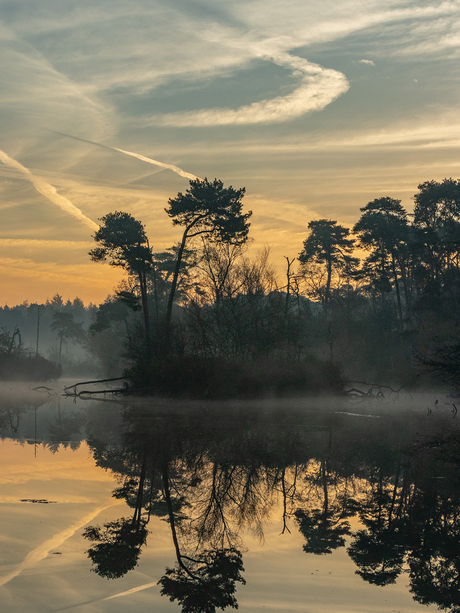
(280, 577)
(315, 107)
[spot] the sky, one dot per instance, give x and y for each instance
(315, 108)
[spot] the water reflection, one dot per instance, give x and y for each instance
(385, 489)
(211, 475)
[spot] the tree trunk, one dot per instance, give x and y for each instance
(398, 295)
(176, 276)
(328, 285)
(145, 306)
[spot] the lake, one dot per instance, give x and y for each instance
(308, 505)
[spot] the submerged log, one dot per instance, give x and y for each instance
(71, 390)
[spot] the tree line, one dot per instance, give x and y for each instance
(205, 301)
(204, 315)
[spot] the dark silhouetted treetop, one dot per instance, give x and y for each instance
(436, 202)
(437, 220)
(384, 231)
(212, 209)
(122, 242)
(328, 244)
(383, 224)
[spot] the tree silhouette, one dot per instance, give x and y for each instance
(207, 209)
(123, 243)
(328, 244)
(67, 328)
(383, 229)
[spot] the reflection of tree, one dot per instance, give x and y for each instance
(378, 556)
(204, 579)
(119, 543)
(323, 531)
(209, 478)
(162, 474)
(206, 582)
(436, 580)
(324, 528)
(434, 563)
(61, 431)
(379, 551)
(118, 546)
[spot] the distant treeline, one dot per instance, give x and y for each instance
(56, 330)
(205, 312)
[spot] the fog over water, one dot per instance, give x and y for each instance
(329, 504)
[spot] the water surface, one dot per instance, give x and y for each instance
(308, 505)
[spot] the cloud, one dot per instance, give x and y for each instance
(44, 243)
(370, 62)
(318, 88)
(48, 191)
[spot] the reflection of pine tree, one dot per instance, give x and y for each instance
(119, 543)
(434, 561)
(324, 528)
(205, 582)
(118, 546)
(378, 556)
(323, 531)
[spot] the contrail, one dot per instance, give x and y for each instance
(42, 551)
(176, 169)
(127, 593)
(48, 191)
(132, 591)
(143, 158)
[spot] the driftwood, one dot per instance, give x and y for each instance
(357, 393)
(38, 500)
(71, 390)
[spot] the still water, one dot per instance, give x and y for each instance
(308, 505)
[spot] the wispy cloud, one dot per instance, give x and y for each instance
(370, 62)
(48, 191)
(44, 243)
(318, 87)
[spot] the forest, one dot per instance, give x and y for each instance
(376, 302)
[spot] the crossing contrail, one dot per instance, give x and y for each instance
(176, 169)
(143, 158)
(48, 191)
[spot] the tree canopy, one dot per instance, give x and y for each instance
(207, 209)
